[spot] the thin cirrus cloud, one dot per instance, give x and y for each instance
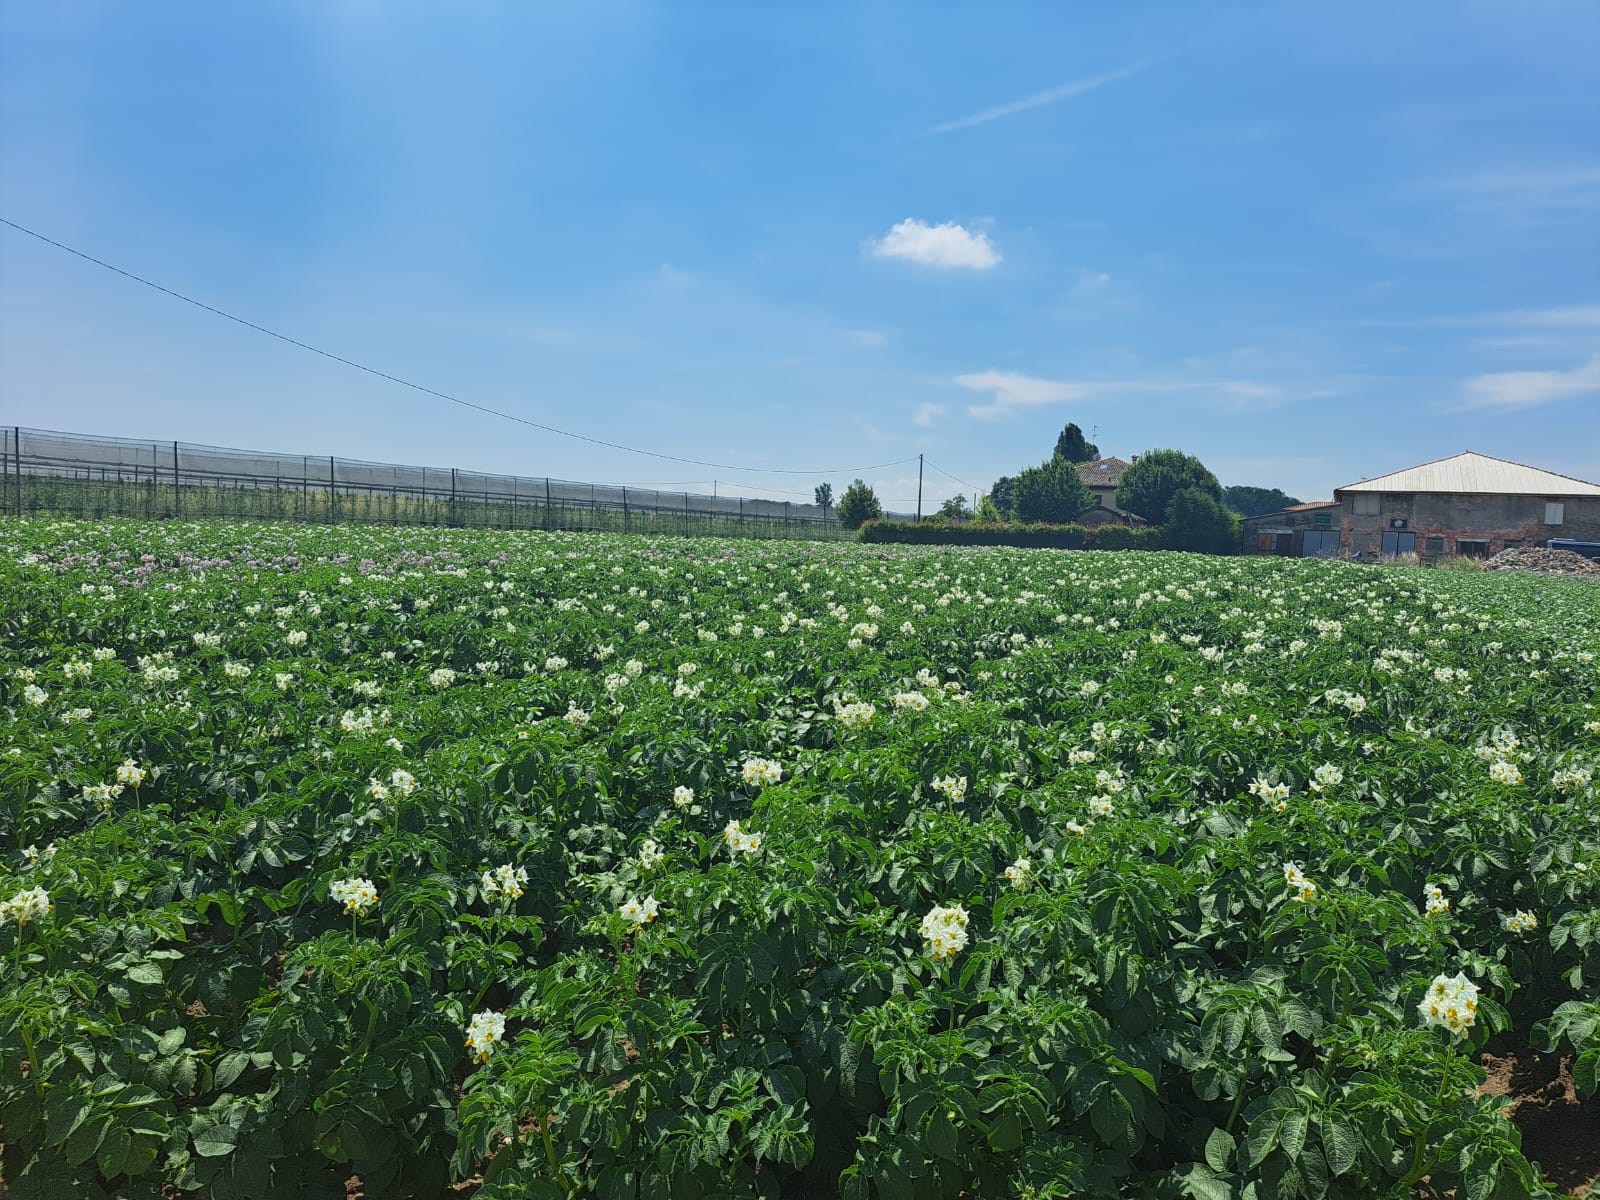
(1010, 391)
(1514, 390)
(948, 246)
(1062, 91)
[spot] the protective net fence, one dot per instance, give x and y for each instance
(69, 474)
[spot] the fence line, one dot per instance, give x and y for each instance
(71, 474)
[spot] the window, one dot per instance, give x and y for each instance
(1320, 543)
(1472, 547)
(1366, 504)
(1555, 512)
(1394, 545)
(1434, 544)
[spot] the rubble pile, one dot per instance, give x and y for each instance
(1542, 562)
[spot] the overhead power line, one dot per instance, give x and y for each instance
(428, 391)
(957, 478)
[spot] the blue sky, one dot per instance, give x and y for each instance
(1308, 243)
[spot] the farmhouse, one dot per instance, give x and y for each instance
(1470, 504)
(1101, 477)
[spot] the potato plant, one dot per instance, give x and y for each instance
(581, 865)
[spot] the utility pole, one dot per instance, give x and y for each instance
(919, 489)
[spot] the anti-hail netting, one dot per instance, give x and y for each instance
(67, 472)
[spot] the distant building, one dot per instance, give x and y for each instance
(1300, 531)
(1470, 504)
(1101, 477)
(1105, 514)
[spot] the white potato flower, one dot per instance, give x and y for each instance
(485, 1031)
(1450, 1003)
(356, 894)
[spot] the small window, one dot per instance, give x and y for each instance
(1322, 520)
(1472, 547)
(1555, 512)
(1434, 544)
(1366, 504)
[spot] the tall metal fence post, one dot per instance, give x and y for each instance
(453, 521)
(177, 496)
(625, 525)
(686, 514)
(547, 503)
(333, 495)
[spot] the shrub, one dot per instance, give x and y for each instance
(1049, 492)
(1011, 533)
(858, 504)
(1197, 521)
(1149, 485)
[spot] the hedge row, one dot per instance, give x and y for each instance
(1049, 537)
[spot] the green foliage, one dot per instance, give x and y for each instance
(1012, 533)
(1253, 501)
(1050, 492)
(955, 508)
(987, 512)
(1148, 486)
(822, 496)
(1197, 521)
(1000, 493)
(858, 505)
(1144, 1009)
(1073, 448)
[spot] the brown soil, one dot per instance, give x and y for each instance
(1560, 1132)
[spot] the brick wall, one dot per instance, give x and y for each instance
(1498, 519)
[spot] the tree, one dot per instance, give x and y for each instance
(823, 495)
(987, 512)
(1253, 501)
(1196, 520)
(1149, 485)
(858, 505)
(1072, 447)
(1050, 492)
(1000, 493)
(955, 508)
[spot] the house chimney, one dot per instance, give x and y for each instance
(1135, 458)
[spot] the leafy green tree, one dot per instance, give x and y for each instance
(1072, 446)
(823, 495)
(987, 512)
(1149, 485)
(955, 508)
(1000, 493)
(1050, 492)
(1253, 501)
(858, 505)
(1197, 520)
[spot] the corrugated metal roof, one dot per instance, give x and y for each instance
(1479, 474)
(1310, 506)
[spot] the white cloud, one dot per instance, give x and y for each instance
(1063, 91)
(1513, 390)
(1012, 391)
(870, 338)
(947, 245)
(927, 414)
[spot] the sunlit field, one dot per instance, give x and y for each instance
(576, 865)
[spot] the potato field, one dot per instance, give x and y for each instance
(439, 863)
